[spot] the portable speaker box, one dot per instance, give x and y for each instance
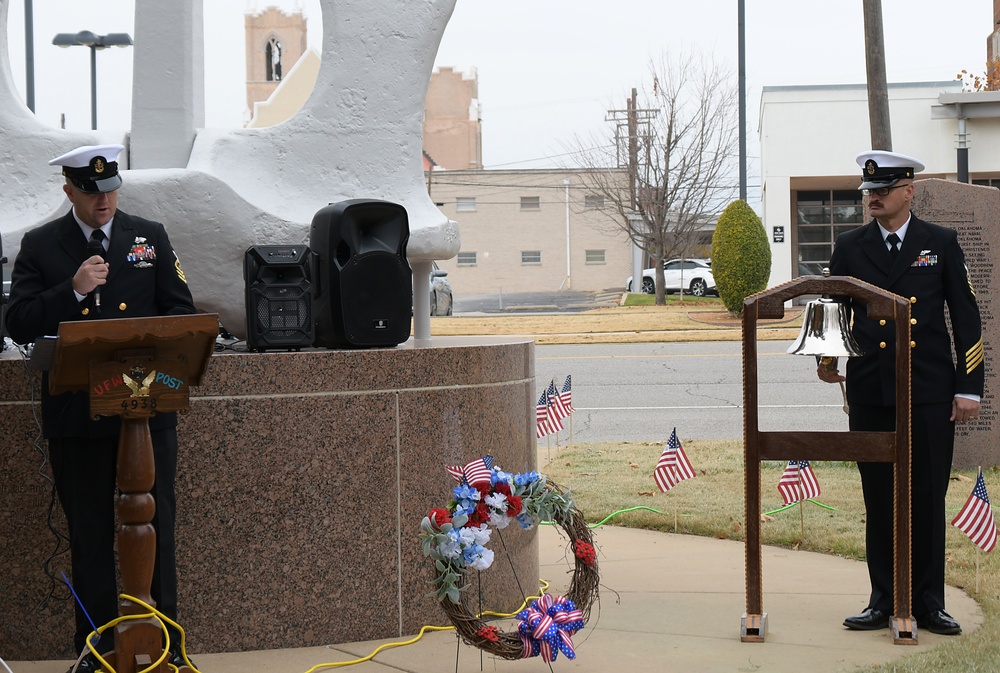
(365, 285)
(279, 297)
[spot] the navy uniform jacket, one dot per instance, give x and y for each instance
(144, 279)
(930, 271)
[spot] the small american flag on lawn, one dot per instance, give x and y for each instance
(566, 396)
(798, 482)
(474, 472)
(976, 518)
(673, 466)
(546, 421)
(558, 407)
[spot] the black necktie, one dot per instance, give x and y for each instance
(98, 235)
(893, 240)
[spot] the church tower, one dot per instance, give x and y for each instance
(275, 41)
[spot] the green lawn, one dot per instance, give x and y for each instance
(607, 478)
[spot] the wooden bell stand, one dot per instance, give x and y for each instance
(887, 447)
(134, 368)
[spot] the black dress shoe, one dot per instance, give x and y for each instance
(177, 660)
(87, 665)
(869, 620)
(939, 622)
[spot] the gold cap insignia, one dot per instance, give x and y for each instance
(98, 165)
(870, 167)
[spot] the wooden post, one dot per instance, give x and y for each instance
(878, 92)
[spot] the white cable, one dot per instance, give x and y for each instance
(4, 664)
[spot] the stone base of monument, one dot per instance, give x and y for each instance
(302, 479)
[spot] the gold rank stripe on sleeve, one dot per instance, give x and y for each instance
(974, 357)
(180, 271)
(968, 279)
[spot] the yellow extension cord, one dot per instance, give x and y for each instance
(164, 620)
(424, 629)
(152, 614)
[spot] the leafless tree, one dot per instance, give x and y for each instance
(677, 171)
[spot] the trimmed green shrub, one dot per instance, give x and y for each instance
(741, 256)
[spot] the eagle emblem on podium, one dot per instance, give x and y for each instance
(139, 389)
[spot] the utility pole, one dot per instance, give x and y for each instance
(29, 55)
(633, 147)
(878, 93)
(742, 76)
(631, 119)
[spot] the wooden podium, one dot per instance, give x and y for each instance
(134, 368)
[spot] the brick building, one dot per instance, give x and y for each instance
(517, 226)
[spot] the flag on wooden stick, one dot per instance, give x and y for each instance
(976, 517)
(798, 482)
(673, 466)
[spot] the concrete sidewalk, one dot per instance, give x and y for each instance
(668, 602)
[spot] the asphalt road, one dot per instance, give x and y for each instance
(640, 392)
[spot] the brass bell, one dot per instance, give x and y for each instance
(825, 331)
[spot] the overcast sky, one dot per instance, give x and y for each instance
(548, 69)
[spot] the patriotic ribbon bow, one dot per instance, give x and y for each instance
(547, 628)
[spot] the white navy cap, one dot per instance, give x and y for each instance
(884, 169)
(92, 168)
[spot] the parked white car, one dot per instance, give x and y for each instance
(695, 275)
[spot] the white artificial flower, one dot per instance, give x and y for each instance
(450, 549)
(483, 533)
(498, 520)
(497, 501)
(484, 561)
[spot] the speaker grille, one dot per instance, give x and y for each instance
(285, 311)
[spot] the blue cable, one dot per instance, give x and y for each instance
(79, 602)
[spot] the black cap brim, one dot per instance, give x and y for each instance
(101, 186)
(876, 184)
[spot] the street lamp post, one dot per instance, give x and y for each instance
(85, 38)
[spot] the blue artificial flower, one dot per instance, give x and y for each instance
(526, 478)
(465, 492)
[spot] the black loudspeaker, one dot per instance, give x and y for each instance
(365, 286)
(279, 297)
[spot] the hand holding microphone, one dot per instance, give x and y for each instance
(92, 273)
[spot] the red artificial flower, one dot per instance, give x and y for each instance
(484, 490)
(489, 633)
(514, 505)
(502, 487)
(480, 515)
(439, 517)
(585, 552)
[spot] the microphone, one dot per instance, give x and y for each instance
(95, 247)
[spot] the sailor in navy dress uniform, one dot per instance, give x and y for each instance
(924, 263)
(53, 280)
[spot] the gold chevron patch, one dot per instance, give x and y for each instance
(968, 279)
(974, 357)
(179, 270)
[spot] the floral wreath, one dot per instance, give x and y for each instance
(455, 538)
